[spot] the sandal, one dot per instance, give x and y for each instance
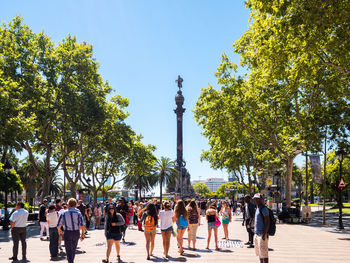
(105, 260)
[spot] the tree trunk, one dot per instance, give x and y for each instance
(161, 186)
(95, 196)
(72, 190)
(47, 175)
(289, 180)
(140, 191)
(140, 187)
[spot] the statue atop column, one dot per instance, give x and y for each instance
(183, 183)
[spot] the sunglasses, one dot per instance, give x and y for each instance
(111, 208)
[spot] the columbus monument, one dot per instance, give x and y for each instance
(183, 182)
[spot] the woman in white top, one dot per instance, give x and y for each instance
(166, 227)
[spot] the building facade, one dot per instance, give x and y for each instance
(212, 183)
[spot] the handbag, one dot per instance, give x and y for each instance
(174, 232)
(217, 221)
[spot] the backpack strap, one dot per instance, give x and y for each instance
(261, 214)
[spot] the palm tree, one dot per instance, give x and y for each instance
(165, 168)
(144, 181)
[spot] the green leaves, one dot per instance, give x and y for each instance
(297, 54)
(201, 189)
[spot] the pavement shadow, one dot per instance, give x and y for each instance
(33, 231)
(60, 258)
(204, 250)
(348, 239)
(331, 220)
(177, 259)
(225, 251)
(5, 236)
(127, 243)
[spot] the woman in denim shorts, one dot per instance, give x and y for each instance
(211, 216)
(165, 216)
(181, 215)
(113, 231)
(150, 220)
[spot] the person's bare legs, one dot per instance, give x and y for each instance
(225, 230)
(148, 241)
(167, 243)
(117, 247)
(109, 248)
(97, 224)
(189, 236)
(216, 238)
(164, 241)
(153, 236)
(209, 236)
(180, 234)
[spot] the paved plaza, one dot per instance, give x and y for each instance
(292, 243)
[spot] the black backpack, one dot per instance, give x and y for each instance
(272, 228)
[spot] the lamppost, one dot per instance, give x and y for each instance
(7, 168)
(278, 189)
(88, 180)
(306, 180)
(340, 153)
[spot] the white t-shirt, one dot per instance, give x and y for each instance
(52, 218)
(166, 219)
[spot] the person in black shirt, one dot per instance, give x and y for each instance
(203, 207)
(123, 209)
(44, 226)
(114, 223)
(83, 210)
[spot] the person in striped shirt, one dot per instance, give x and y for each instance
(72, 222)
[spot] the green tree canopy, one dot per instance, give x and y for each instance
(201, 189)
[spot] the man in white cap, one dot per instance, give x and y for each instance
(261, 228)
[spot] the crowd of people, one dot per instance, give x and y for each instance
(70, 221)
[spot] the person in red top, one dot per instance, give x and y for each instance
(58, 205)
(131, 213)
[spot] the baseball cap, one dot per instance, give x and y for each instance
(258, 195)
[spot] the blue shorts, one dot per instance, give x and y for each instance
(114, 236)
(181, 227)
(167, 229)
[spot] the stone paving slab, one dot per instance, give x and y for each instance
(292, 243)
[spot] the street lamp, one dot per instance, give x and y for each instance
(7, 168)
(340, 153)
(306, 180)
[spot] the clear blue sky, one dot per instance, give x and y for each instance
(142, 46)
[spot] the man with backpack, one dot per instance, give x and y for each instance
(261, 229)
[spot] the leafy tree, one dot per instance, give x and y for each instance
(140, 165)
(296, 86)
(105, 149)
(10, 181)
(165, 170)
(60, 93)
(201, 189)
